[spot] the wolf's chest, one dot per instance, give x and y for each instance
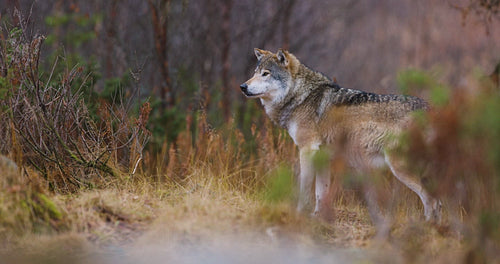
(303, 136)
(292, 130)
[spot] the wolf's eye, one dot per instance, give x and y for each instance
(265, 73)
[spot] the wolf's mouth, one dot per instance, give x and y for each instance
(251, 95)
(244, 89)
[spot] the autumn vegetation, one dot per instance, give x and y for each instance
(102, 152)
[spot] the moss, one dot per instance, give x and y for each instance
(50, 207)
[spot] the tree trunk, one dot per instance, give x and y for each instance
(111, 36)
(159, 19)
(226, 47)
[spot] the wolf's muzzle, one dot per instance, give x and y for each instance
(244, 88)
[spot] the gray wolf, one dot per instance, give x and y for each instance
(318, 114)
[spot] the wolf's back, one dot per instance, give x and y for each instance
(346, 96)
(331, 95)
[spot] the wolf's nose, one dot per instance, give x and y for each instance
(244, 87)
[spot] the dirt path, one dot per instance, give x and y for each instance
(241, 250)
(232, 249)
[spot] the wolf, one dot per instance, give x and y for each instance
(318, 114)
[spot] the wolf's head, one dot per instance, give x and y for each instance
(273, 76)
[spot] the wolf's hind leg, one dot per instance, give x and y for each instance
(432, 206)
(381, 221)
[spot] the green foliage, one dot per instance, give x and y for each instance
(420, 116)
(279, 186)
(188, 81)
(165, 124)
(321, 159)
(439, 95)
(482, 123)
(80, 25)
(114, 88)
(214, 115)
(413, 81)
(247, 118)
(81, 31)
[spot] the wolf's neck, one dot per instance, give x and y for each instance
(302, 86)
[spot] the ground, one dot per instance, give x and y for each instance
(204, 221)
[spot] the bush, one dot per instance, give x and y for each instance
(46, 123)
(457, 150)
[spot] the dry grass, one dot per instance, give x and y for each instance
(206, 209)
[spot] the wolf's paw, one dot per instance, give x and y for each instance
(324, 215)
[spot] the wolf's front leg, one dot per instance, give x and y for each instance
(307, 173)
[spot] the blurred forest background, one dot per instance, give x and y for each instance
(190, 54)
(135, 105)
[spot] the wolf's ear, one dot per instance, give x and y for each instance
(259, 53)
(282, 57)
